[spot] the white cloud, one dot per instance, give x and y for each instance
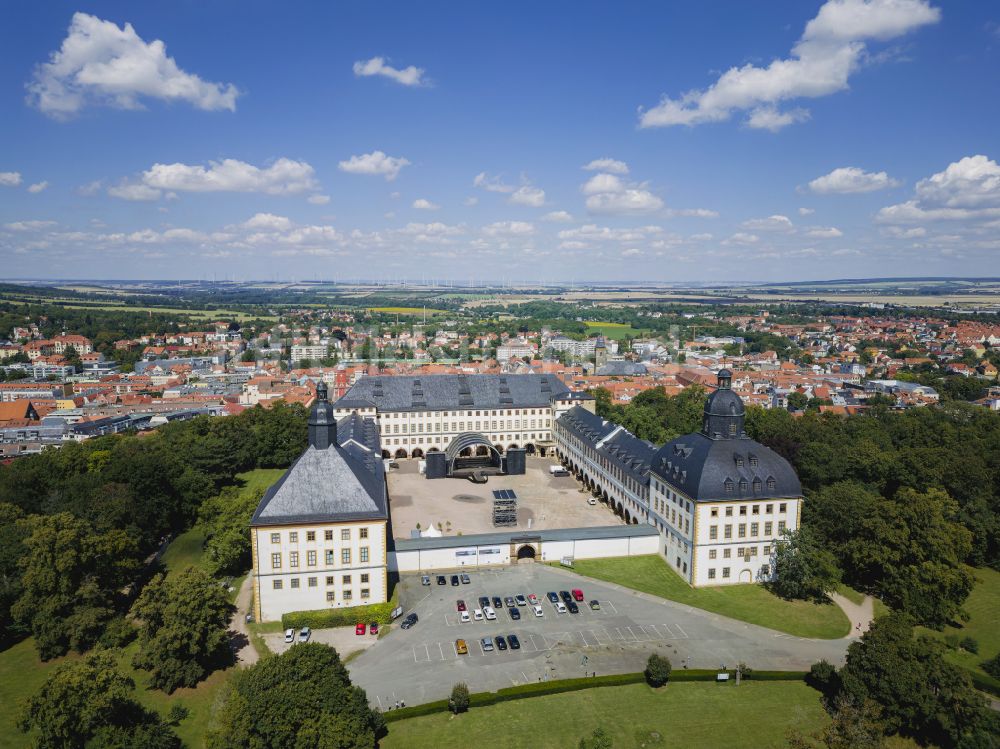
(824, 232)
(283, 177)
(509, 228)
(492, 184)
(831, 49)
(29, 225)
(528, 195)
(776, 223)
(607, 165)
(851, 179)
(631, 252)
(742, 238)
(10, 179)
(375, 162)
(693, 212)
(38, 187)
(100, 63)
(130, 191)
(967, 189)
(608, 194)
(470, 201)
(268, 221)
(701, 237)
(409, 76)
(602, 183)
(557, 217)
(318, 199)
(425, 205)
(899, 232)
(806, 211)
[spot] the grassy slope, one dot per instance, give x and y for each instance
(749, 603)
(694, 714)
(22, 673)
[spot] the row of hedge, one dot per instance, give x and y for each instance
(541, 688)
(324, 618)
(984, 682)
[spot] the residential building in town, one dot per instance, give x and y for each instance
(318, 536)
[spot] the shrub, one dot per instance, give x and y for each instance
(969, 644)
(459, 701)
(324, 618)
(657, 670)
(992, 666)
(823, 677)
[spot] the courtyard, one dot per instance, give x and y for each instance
(458, 506)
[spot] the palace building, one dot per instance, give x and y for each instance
(319, 536)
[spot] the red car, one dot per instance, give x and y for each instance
(373, 628)
(359, 629)
(577, 594)
(461, 605)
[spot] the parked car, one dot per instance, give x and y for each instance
(477, 615)
(552, 597)
(501, 643)
(461, 648)
(514, 643)
(304, 634)
(359, 628)
(595, 605)
(538, 610)
(409, 621)
(532, 599)
(465, 579)
(442, 580)
(591, 501)
(515, 613)
(373, 628)
(520, 600)
(489, 613)
(460, 605)
(484, 601)
(573, 608)
(509, 600)
(454, 580)
(487, 644)
(289, 635)
(464, 617)
(497, 603)
(565, 595)
(425, 579)
(577, 595)
(560, 608)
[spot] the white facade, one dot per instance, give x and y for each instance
(321, 566)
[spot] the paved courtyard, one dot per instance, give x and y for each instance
(420, 664)
(544, 501)
(341, 639)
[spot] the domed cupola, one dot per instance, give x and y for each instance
(724, 411)
(322, 424)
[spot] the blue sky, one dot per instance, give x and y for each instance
(529, 142)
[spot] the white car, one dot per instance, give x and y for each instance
(477, 615)
(561, 608)
(538, 610)
(464, 617)
(489, 613)
(289, 635)
(591, 501)
(304, 634)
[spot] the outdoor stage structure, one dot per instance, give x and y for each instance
(472, 456)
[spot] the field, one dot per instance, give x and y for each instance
(411, 311)
(614, 330)
(749, 603)
(692, 715)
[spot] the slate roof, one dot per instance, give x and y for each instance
(343, 482)
(622, 369)
(616, 443)
(452, 392)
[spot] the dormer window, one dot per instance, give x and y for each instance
(732, 429)
(756, 486)
(770, 483)
(739, 461)
(753, 460)
(728, 486)
(743, 486)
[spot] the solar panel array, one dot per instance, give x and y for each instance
(504, 508)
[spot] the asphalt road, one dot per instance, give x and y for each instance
(421, 664)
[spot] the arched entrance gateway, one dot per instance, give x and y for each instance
(526, 552)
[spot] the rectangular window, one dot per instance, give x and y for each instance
(767, 551)
(364, 577)
(715, 512)
(310, 535)
(711, 553)
(781, 526)
(329, 579)
(345, 556)
(329, 556)
(754, 529)
(729, 512)
(767, 528)
(295, 582)
(365, 593)
(364, 553)
(345, 579)
(278, 585)
(743, 509)
(765, 569)
(311, 558)
(782, 507)
(728, 531)
(769, 509)
(726, 553)
(293, 537)
(347, 595)
(328, 535)
(275, 561)
(743, 530)
(725, 572)
(345, 534)
(312, 582)
(363, 533)
(293, 559)
(713, 532)
(275, 538)
(330, 595)
(711, 573)
(756, 510)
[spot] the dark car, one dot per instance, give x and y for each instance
(409, 621)
(573, 608)
(514, 643)
(441, 580)
(497, 603)
(515, 613)
(454, 580)
(501, 643)
(509, 600)
(460, 605)
(551, 596)
(465, 579)
(565, 595)
(484, 601)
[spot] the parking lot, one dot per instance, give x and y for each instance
(421, 664)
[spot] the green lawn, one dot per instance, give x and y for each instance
(749, 603)
(690, 714)
(615, 330)
(983, 606)
(259, 478)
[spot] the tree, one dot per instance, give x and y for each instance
(797, 401)
(992, 666)
(804, 568)
(302, 698)
(459, 700)
(225, 519)
(183, 629)
(658, 670)
(853, 726)
(599, 739)
(823, 677)
(89, 702)
(70, 575)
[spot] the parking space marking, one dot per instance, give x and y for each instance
(441, 650)
(419, 657)
(535, 642)
(683, 633)
(612, 606)
(599, 633)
